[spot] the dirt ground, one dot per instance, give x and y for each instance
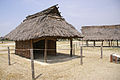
(93, 68)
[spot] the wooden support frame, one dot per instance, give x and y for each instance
(71, 48)
(45, 51)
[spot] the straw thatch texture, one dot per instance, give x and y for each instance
(108, 32)
(47, 23)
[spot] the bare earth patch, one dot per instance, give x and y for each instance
(93, 67)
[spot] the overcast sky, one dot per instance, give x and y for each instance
(76, 12)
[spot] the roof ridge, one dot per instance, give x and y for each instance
(46, 11)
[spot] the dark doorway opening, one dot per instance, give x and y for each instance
(39, 45)
(51, 48)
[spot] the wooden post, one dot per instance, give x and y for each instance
(45, 51)
(94, 43)
(86, 43)
(8, 56)
(81, 60)
(117, 43)
(101, 51)
(74, 49)
(71, 48)
(109, 43)
(32, 61)
(32, 64)
(102, 43)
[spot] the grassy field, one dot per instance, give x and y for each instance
(93, 68)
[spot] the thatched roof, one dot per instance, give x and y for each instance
(47, 23)
(107, 32)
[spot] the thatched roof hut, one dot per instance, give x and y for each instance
(106, 32)
(48, 23)
(41, 30)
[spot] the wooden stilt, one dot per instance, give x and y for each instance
(8, 56)
(45, 51)
(71, 48)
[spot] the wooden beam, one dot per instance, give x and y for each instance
(45, 51)
(36, 40)
(71, 47)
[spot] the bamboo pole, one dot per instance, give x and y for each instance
(32, 64)
(8, 56)
(71, 48)
(45, 51)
